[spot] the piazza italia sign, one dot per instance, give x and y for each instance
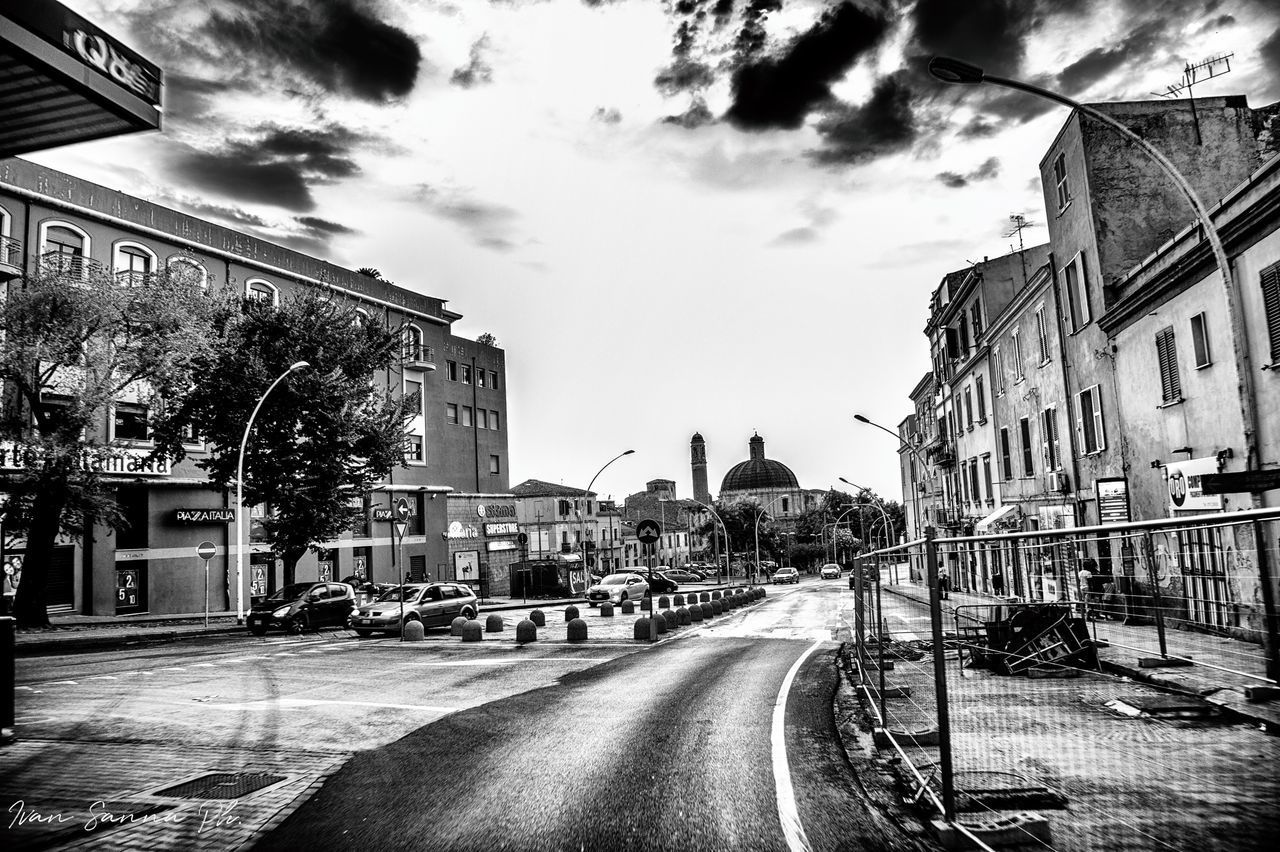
(113, 461)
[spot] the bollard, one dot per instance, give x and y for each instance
(628, 607)
(455, 628)
(606, 609)
(678, 600)
(493, 624)
(472, 631)
(683, 617)
(660, 622)
(670, 618)
(412, 631)
(707, 611)
(538, 617)
(526, 631)
(646, 603)
(695, 613)
(664, 602)
(577, 630)
(704, 597)
(641, 629)
(716, 595)
(717, 607)
(763, 591)
(570, 613)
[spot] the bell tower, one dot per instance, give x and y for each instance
(698, 461)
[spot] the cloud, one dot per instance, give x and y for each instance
(819, 217)
(490, 225)
(1269, 51)
(228, 213)
(978, 128)
(986, 171)
(1139, 45)
(991, 33)
(272, 165)
(342, 45)
(477, 71)
(606, 115)
(683, 75)
(323, 226)
(781, 92)
(796, 237)
(697, 115)
(885, 124)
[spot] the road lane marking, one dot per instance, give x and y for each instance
(788, 815)
(103, 677)
(303, 703)
(62, 683)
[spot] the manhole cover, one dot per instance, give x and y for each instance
(221, 785)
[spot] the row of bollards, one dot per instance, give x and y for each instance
(696, 607)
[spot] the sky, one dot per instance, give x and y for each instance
(714, 216)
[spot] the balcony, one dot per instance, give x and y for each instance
(418, 357)
(943, 453)
(10, 259)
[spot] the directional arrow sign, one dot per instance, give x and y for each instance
(648, 531)
(402, 509)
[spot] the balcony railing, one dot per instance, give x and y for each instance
(10, 258)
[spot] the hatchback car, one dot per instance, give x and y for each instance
(617, 588)
(831, 571)
(303, 606)
(433, 604)
(786, 575)
(660, 583)
(680, 575)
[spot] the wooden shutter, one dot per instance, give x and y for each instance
(1167, 354)
(1271, 307)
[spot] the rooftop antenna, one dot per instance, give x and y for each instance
(1018, 223)
(1206, 69)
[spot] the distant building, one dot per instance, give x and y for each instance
(769, 483)
(698, 462)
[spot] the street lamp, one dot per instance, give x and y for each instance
(955, 71)
(915, 498)
(240, 609)
(728, 551)
(760, 515)
(582, 520)
(879, 504)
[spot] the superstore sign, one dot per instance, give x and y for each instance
(502, 529)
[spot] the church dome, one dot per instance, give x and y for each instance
(759, 473)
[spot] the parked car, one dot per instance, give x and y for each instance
(786, 575)
(433, 604)
(831, 571)
(617, 588)
(680, 575)
(660, 583)
(303, 606)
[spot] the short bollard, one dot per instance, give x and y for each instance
(538, 617)
(642, 628)
(717, 607)
(683, 617)
(646, 603)
(455, 628)
(628, 607)
(526, 631)
(664, 602)
(606, 610)
(413, 631)
(577, 630)
(715, 596)
(704, 597)
(763, 591)
(695, 613)
(678, 600)
(728, 602)
(660, 622)
(493, 624)
(472, 631)
(707, 611)
(570, 613)
(670, 618)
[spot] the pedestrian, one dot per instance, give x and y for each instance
(997, 581)
(944, 583)
(1084, 577)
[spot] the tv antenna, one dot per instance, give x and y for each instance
(1017, 224)
(1207, 69)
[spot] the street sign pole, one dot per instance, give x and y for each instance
(206, 550)
(401, 526)
(648, 532)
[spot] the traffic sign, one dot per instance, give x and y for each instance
(402, 509)
(1240, 482)
(206, 550)
(401, 526)
(648, 531)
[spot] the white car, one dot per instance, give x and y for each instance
(831, 571)
(617, 588)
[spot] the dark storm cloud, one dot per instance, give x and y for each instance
(683, 75)
(779, 93)
(986, 171)
(978, 128)
(324, 226)
(722, 11)
(477, 71)
(1269, 51)
(751, 35)
(1139, 45)
(187, 97)
(340, 44)
(490, 225)
(273, 166)
(885, 124)
(221, 212)
(991, 33)
(697, 115)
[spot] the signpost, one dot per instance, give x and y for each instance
(401, 524)
(648, 532)
(206, 551)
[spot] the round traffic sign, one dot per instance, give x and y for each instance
(648, 531)
(206, 550)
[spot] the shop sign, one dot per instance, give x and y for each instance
(204, 516)
(502, 529)
(500, 545)
(1185, 492)
(495, 511)
(459, 530)
(466, 566)
(113, 460)
(1113, 500)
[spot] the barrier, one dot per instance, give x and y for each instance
(538, 617)
(413, 631)
(695, 613)
(493, 624)
(570, 613)
(683, 617)
(641, 630)
(606, 610)
(707, 611)
(526, 631)
(577, 630)
(670, 618)
(628, 607)
(455, 627)
(660, 622)
(472, 631)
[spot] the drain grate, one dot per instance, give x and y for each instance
(221, 785)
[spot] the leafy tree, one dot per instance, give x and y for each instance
(77, 338)
(324, 436)
(740, 520)
(487, 339)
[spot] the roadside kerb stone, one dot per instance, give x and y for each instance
(707, 611)
(664, 602)
(413, 631)
(695, 613)
(670, 618)
(628, 607)
(678, 600)
(641, 630)
(660, 622)
(717, 607)
(682, 616)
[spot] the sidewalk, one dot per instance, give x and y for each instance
(1121, 646)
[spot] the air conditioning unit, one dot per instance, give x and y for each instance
(1057, 481)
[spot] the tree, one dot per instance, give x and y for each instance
(740, 520)
(78, 338)
(323, 438)
(487, 339)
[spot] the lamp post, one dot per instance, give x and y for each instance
(760, 515)
(727, 549)
(955, 71)
(248, 427)
(582, 520)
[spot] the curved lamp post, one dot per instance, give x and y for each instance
(836, 524)
(877, 502)
(728, 551)
(240, 608)
(955, 71)
(760, 515)
(582, 520)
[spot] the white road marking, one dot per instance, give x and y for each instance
(303, 703)
(792, 828)
(514, 660)
(202, 665)
(62, 683)
(103, 677)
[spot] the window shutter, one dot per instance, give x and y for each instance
(1167, 354)
(1271, 307)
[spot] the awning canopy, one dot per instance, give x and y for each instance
(986, 523)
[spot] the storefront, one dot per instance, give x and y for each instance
(484, 542)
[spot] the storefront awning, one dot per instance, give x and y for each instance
(986, 523)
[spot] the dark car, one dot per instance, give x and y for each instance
(659, 583)
(303, 606)
(682, 576)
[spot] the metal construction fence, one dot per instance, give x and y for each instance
(1001, 620)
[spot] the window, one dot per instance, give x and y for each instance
(493, 420)
(189, 271)
(1042, 335)
(786, 505)
(495, 465)
(413, 451)
(563, 508)
(1051, 448)
(1271, 307)
(981, 397)
(964, 337)
(360, 317)
(466, 415)
(130, 422)
(1006, 459)
(133, 263)
(1200, 340)
(56, 408)
(997, 367)
(968, 407)
(1167, 355)
(493, 379)
(412, 387)
(1028, 463)
(482, 418)
(479, 378)
(466, 374)
(1076, 285)
(64, 247)
(451, 412)
(451, 370)
(975, 319)
(410, 343)
(1018, 375)
(1089, 423)
(986, 475)
(1060, 181)
(258, 290)
(973, 480)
